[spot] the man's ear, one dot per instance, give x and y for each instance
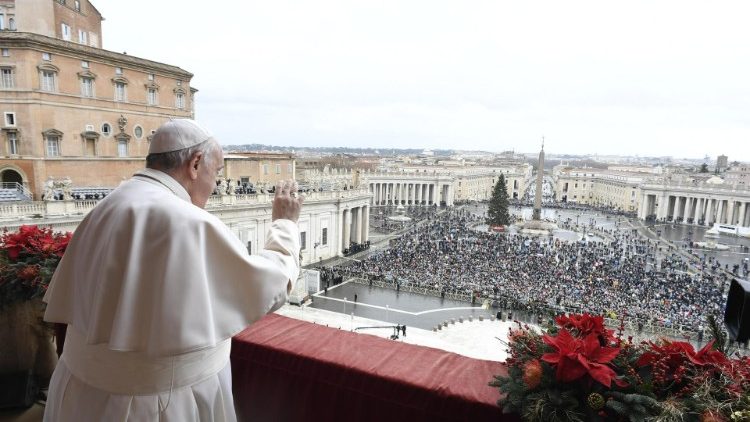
(195, 161)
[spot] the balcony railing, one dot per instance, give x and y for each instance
(14, 212)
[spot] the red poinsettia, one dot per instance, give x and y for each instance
(677, 353)
(575, 357)
(584, 324)
(28, 259)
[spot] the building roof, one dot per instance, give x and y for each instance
(257, 155)
(54, 45)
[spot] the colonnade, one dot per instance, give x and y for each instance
(354, 226)
(411, 193)
(696, 209)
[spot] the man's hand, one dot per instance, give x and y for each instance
(286, 202)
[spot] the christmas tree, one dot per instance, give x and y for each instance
(498, 215)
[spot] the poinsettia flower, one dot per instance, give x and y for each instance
(585, 324)
(28, 258)
(677, 353)
(575, 358)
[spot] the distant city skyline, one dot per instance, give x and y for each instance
(638, 78)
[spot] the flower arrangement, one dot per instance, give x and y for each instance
(581, 371)
(28, 259)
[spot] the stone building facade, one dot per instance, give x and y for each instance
(684, 199)
(609, 188)
(72, 109)
(258, 169)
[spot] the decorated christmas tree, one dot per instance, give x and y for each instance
(498, 215)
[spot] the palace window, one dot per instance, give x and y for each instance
(106, 129)
(82, 37)
(46, 56)
(12, 143)
(138, 132)
(179, 101)
(77, 5)
(6, 52)
(265, 169)
(7, 78)
(278, 168)
(65, 31)
(12, 24)
(289, 168)
(151, 96)
(122, 148)
(48, 81)
(10, 119)
(87, 87)
(324, 236)
(53, 146)
(120, 93)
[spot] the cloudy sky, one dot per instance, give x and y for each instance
(636, 77)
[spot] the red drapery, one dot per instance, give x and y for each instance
(289, 370)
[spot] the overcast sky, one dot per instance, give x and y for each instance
(627, 77)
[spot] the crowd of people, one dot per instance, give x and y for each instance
(629, 275)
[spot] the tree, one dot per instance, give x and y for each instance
(498, 215)
(704, 168)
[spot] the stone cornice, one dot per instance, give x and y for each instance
(11, 39)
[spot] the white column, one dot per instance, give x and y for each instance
(683, 205)
(346, 231)
(720, 212)
(743, 206)
(365, 235)
(339, 227)
(698, 210)
(730, 212)
(643, 206)
(359, 226)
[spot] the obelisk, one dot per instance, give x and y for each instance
(537, 215)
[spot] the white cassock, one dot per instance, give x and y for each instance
(152, 289)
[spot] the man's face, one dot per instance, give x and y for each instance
(208, 168)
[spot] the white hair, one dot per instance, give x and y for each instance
(171, 160)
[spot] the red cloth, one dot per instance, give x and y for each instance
(284, 369)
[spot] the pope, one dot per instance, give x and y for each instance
(153, 287)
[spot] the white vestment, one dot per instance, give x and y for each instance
(152, 289)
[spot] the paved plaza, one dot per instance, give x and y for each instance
(390, 306)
